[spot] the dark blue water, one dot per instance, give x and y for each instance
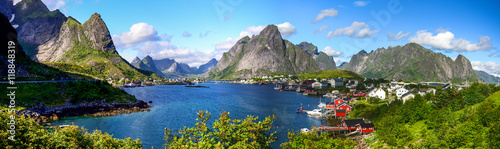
(175, 106)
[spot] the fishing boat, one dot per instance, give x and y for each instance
(299, 111)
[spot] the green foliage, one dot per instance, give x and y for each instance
(29, 134)
(313, 140)
(224, 133)
(56, 94)
(446, 119)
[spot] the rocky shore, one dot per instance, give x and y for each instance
(43, 114)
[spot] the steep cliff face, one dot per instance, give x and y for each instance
(324, 61)
(207, 67)
(25, 67)
(37, 24)
(263, 54)
(412, 62)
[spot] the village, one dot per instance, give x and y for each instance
(342, 94)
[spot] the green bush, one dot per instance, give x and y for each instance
(224, 133)
(29, 134)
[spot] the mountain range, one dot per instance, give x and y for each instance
(169, 68)
(487, 78)
(64, 43)
(412, 62)
(263, 54)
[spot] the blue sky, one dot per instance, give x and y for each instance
(194, 31)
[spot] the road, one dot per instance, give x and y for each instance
(46, 81)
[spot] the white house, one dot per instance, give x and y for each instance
(316, 85)
(424, 91)
(377, 92)
(407, 96)
(336, 82)
(401, 91)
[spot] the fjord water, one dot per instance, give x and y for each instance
(175, 106)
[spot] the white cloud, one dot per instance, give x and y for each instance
(252, 30)
(322, 28)
(186, 34)
(54, 4)
(326, 13)
(445, 40)
(356, 30)
(360, 3)
(330, 51)
(164, 49)
(489, 67)
(398, 36)
(226, 44)
(286, 29)
(138, 34)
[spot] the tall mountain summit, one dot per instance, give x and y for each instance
(263, 54)
(66, 44)
(411, 62)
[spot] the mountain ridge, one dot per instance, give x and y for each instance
(411, 62)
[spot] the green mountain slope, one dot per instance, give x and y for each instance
(92, 52)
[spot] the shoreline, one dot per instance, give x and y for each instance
(43, 114)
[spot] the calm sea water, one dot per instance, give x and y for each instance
(175, 106)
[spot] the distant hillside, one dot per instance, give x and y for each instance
(412, 62)
(336, 73)
(487, 78)
(324, 61)
(261, 55)
(343, 65)
(169, 68)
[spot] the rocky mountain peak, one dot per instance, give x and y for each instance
(362, 53)
(149, 58)
(96, 31)
(309, 48)
(271, 32)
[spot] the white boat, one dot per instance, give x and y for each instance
(315, 112)
(321, 105)
(328, 95)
